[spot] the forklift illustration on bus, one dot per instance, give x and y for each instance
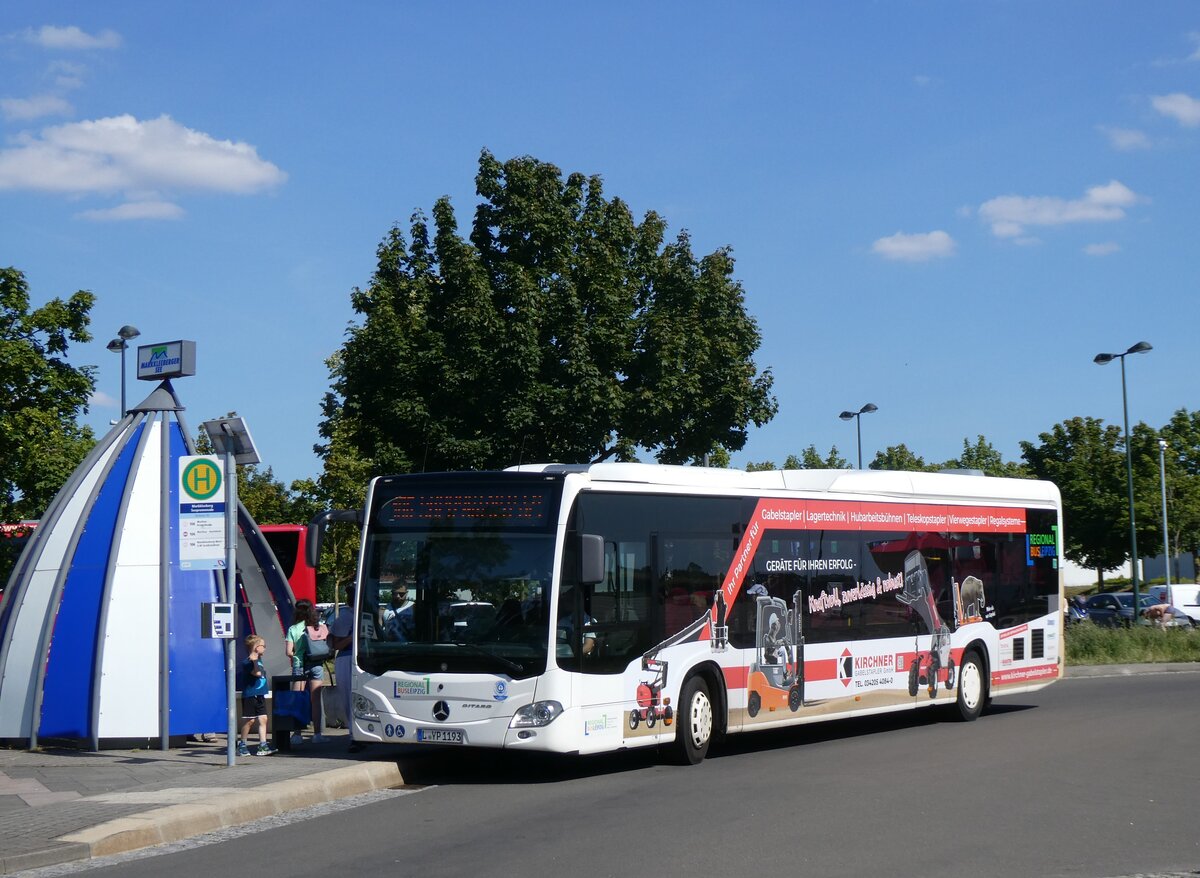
(776, 676)
(652, 707)
(937, 665)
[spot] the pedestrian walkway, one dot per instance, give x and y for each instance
(62, 805)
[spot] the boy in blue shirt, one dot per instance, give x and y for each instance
(254, 697)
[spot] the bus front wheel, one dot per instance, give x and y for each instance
(694, 726)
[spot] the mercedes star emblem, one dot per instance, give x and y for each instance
(441, 711)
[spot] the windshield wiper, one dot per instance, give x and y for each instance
(479, 650)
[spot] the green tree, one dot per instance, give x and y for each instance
(898, 457)
(561, 330)
(266, 498)
(811, 459)
(1182, 459)
(41, 395)
(341, 485)
(1086, 459)
(984, 457)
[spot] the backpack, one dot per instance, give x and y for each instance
(318, 643)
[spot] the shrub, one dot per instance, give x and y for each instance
(1088, 644)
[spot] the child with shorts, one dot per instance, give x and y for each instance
(254, 697)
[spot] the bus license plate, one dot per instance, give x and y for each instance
(440, 736)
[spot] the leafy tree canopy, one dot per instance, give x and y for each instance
(561, 329)
(1181, 459)
(1086, 459)
(984, 457)
(898, 457)
(266, 498)
(809, 458)
(41, 394)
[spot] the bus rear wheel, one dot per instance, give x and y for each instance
(972, 688)
(694, 727)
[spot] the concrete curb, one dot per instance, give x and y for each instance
(1078, 671)
(51, 856)
(176, 822)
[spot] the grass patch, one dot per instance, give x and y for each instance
(1088, 644)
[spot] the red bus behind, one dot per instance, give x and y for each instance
(288, 542)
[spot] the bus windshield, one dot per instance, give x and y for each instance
(458, 581)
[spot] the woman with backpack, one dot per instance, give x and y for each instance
(307, 645)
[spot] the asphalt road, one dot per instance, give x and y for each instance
(1091, 777)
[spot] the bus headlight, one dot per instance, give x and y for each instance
(364, 709)
(536, 715)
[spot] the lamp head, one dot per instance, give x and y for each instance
(1162, 443)
(869, 407)
(1140, 348)
(117, 345)
(845, 416)
(127, 332)
(1101, 359)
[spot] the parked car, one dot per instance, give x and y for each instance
(1110, 610)
(1115, 610)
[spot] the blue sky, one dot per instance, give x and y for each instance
(946, 209)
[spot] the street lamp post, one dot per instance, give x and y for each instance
(1100, 359)
(857, 416)
(118, 346)
(1162, 472)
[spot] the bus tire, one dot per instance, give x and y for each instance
(972, 688)
(694, 722)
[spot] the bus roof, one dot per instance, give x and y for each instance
(885, 483)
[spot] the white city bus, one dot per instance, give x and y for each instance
(582, 609)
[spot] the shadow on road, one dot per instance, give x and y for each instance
(449, 766)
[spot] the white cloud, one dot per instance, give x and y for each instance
(1008, 215)
(134, 210)
(1184, 109)
(23, 109)
(68, 74)
(100, 399)
(1105, 249)
(1125, 139)
(50, 37)
(919, 247)
(121, 154)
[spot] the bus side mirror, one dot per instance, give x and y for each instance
(316, 530)
(591, 559)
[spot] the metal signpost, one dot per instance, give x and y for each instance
(231, 438)
(205, 544)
